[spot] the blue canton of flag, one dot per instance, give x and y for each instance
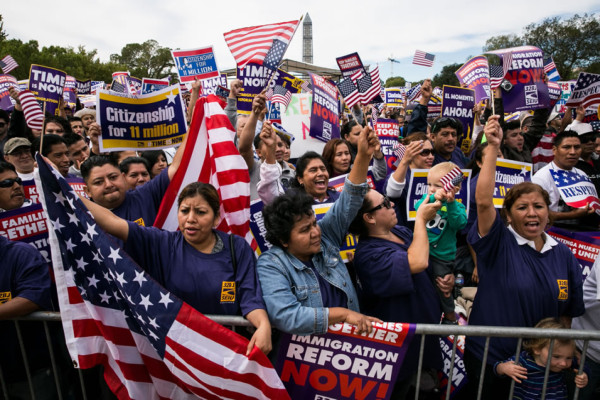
(586, 92)
(281, 95)
(275, 54)
(576, 189)
(349, 92)
(116, 315)
(550, 70)
(496, 76)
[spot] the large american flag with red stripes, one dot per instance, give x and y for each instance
(217, 161)
(151, 344)
(253, 43)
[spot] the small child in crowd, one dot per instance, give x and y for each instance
(441, 230)
(529, 372)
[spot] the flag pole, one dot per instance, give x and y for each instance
(43, 127)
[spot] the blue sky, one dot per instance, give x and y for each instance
(452, 30)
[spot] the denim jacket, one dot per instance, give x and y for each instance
(291, 289)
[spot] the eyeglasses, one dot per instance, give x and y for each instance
(9, 182)
(386, 203)
(426, 152)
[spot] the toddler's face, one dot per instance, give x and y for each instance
(562, 356)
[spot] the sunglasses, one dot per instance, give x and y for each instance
(426, 152)
(9, 182)
(386, 203)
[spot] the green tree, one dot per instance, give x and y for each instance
(145, 60)
(446, 76)
(395, 81)
(572, 43)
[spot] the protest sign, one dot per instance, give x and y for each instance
(69, 95)
(526, 73)
(388, 131)
(475, 74)
(554, 92)
(566, 88)
(417, 187)
(150, 85)
(585, 246)
(394, 96)
(350, 64)
(97, 85)
(324, 119)
(296, 119)
(209, 86)
(586, 92)
(84, 87)
(47, 84)
(274, 113)
(120, 76)
(6, 102)
(152, 121)
(76, 183)
(576, 190)
(342, 364)
(23, 84)
(508, 174)
(195, 64)
(27, 224)
(135, 85)
(459, 372)
(254, 79)
(458, 103)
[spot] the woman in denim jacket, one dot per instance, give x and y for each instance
(306, 286)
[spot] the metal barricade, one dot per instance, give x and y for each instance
(421, 329)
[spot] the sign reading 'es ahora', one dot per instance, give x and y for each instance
(152, 121)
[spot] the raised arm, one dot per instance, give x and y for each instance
(396, 183)
(367, 144)
(108, 221)
(247, 136)
(484, 193)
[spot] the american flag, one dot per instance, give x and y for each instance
(586, 92)
(34, 117)
(217, 161)
(280, 95)
(550, 70)
(424, 59)
(368, 84)
(452, 178)
(253, 43)
(305, 85)
(496, 76)
(151, 344)
(275, 54)
(8, 64)
(399, 150)
(349, 92)
(413, 93)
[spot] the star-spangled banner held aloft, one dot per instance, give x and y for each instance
(8, 64)
(253, 43)
(551, 70)
(34, 117)
(151, 344)
(349, 92)
(586, 92)
(423, 58)
(280, 95)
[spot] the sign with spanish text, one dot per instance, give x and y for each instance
(388, 131)
(585, 246)
(349, 64)
(6, 102)
(151, 121)
(195, 64)
(76, 183)
(47, 84)
(475, 75)
(508, 174)
(417, 187)
(324, 120)
(27, 224)
(458, 103)
(342, 364)
(97, 85)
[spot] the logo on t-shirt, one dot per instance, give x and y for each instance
(228, 292)
(563, 289)
(4, 297)
(140, 222)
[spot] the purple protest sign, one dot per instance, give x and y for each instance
(288, 81)
(6, 102)
(324, 119)
(27, 224)
(458, 103)
(84, 87)
(69, 92)
(554, 92)
(585, 246)
(526, 73)
(475, 74)
(349, 64)
(254, 79)
(209, 86)
(326, 366)
(388, 131)
(47, 84)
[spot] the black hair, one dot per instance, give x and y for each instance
(281, 215)
(71, 119)
(477, 156)
(95, 161)
(4, 116)
(49, 141)
(152, 157)
(205, 190)
(72, 138)
(347, 128)
(5, 166)
(358, 226)
(303, 162)
(126, 164)
(511, 125)
(60, 121)
(445, 122)
(558, 139)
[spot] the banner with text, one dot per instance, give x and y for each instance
(324, 120)
(388, 130)
(342, 364)
(151, 121)
(296, 119)
(349, 64)
(195, 64)
(6, 102)
(27, 224)
(508, 174)
(475, 74)
(576, 190)
(394, 96)
(47, 84)
(458, 103)
(585, 246)
(417, 187)
(209, 86)
(150, 85)
(254, 79)
(84, 87)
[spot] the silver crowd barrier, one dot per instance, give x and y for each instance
(421, 329)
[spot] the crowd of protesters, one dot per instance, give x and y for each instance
(402, 271)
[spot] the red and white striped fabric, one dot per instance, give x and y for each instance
(451, 179)
(252, 44)
(542, 153)
(217, 161)
(34, 117)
